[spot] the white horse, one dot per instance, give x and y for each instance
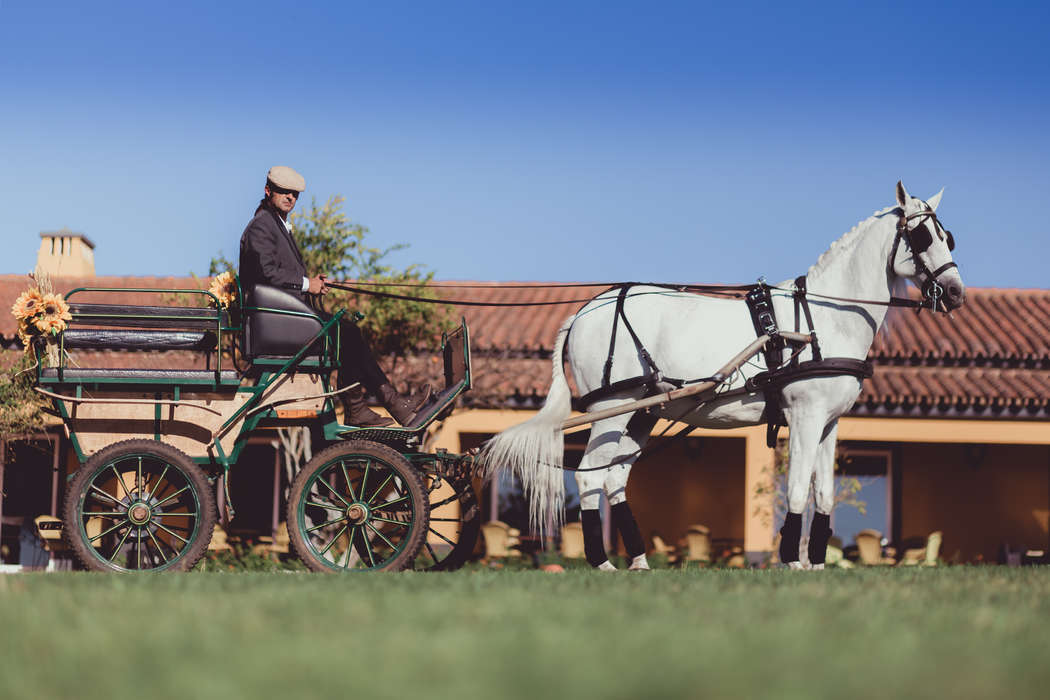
(691, 336)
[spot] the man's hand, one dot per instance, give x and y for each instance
(318, 285)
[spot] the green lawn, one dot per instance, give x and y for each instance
(952, 632)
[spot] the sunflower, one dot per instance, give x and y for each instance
(224, 287)
(28, 304)
(54, 314)
(25, 335)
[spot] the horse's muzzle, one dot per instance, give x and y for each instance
(954, 295)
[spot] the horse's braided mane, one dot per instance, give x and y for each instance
(844, 243)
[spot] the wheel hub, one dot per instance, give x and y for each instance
(139, 514)
(357, 513)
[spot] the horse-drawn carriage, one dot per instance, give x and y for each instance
(365, 501)
(155, 444)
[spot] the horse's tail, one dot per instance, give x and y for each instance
(534, 450)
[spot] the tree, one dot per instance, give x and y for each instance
(330, 243)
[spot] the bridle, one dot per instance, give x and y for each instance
(919, 239)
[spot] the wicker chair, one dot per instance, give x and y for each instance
(869, 548)
(572, 541)
(698, 544)
(500, 540)
(923, 556)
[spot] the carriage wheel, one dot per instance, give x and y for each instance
(357, 506)
(139, 505)
(453, 532)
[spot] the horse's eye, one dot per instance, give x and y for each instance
(921, 238)
(951, 239)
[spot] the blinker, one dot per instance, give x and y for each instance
(921, 238)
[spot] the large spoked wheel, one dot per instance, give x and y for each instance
(139, 505)
(455, 522)
(358, 506)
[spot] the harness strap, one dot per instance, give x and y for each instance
(619, 313)
(828, 367)
(760, 304)
(649, 379)
(801, 300)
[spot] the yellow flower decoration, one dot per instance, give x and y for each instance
(25, 337)
(54, 313)
(224, 287)
(28, 304)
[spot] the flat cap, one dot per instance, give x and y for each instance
(286, 178)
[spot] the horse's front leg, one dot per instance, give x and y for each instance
(806, 427)
(824, 496)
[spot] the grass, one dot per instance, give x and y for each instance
(955, 632)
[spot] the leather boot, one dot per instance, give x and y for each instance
(403, 408)
(358, 414)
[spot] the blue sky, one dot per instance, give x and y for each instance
(529, 141)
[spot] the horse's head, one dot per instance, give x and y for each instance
(922, 251)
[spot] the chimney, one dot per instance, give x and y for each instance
(64, 253)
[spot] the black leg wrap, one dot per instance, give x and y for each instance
(790, 535)
(624, 520)
(593, 542)
(819, 534)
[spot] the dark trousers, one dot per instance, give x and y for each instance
(356, 361)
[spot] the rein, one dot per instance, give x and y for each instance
(736, 291)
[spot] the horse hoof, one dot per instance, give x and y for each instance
(606, 566)
(817, 567)
(796, 566)
(639, 563)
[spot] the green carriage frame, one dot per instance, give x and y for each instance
(255, 397)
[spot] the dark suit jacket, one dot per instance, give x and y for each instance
(269, 255)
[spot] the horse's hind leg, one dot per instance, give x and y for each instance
(823, 496)
(609, 442)
(616, 489)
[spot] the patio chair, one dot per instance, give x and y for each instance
(698, 544)
(923, 556)
(50, 530)
(663, 549)
(273, 545)
(500, 539)
(219, 541)
(572, 541)
(869, 548)
(737, 559)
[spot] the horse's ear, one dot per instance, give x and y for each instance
(902, 196)
(935, 200)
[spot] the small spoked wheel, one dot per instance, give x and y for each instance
(358, 506)
(139, 505)
(455, 521)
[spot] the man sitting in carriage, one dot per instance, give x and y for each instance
(270, 256)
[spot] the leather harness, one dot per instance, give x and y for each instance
(770, 382)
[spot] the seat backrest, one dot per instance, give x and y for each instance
(276, 323)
